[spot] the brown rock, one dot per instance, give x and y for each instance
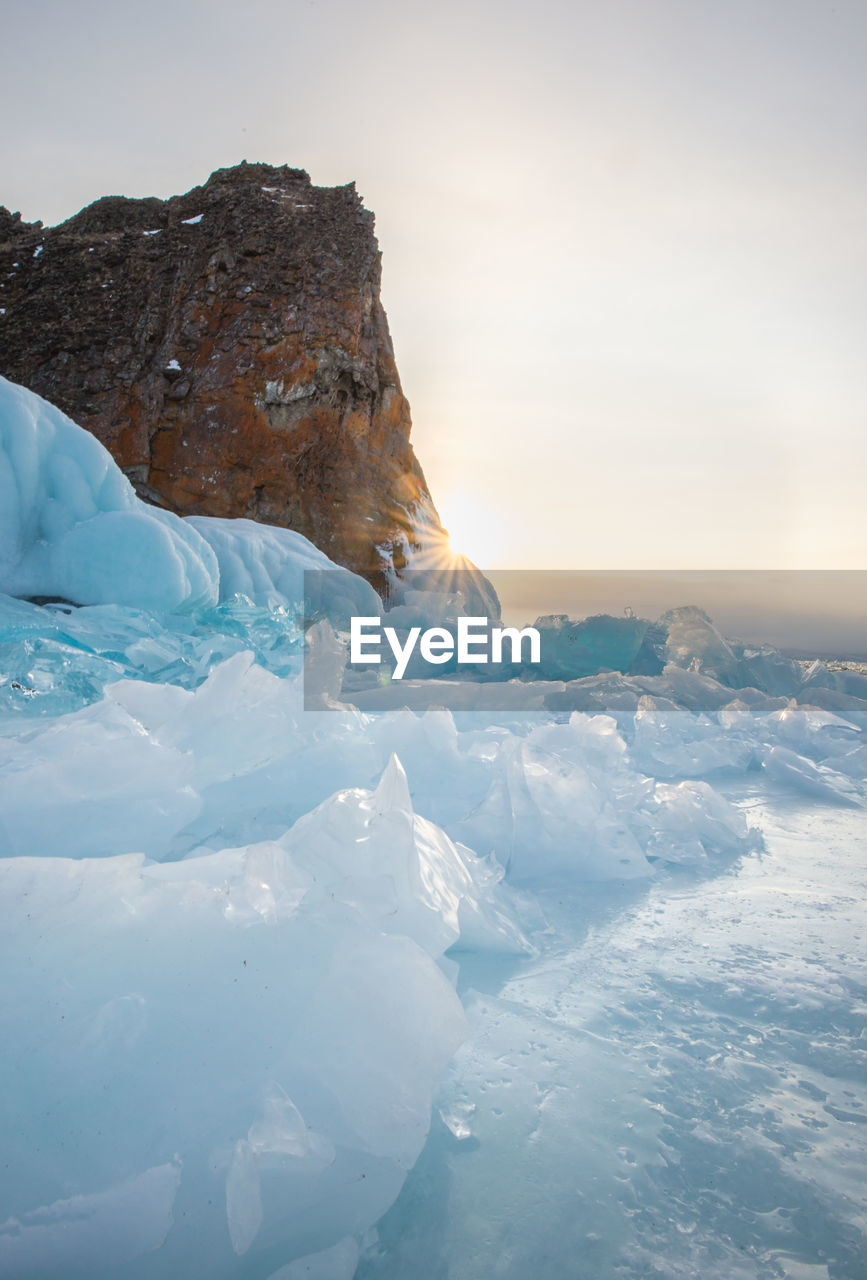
(230, 349)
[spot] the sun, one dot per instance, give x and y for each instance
(474, 529)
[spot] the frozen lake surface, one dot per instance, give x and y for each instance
(676, 1086)
(328, 993)
(269, 1018)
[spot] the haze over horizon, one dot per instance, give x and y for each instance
(806, 613)
(623, 245)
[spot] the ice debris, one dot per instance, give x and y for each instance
(292, 994)
(231, 927)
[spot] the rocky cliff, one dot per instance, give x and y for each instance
(230, 348)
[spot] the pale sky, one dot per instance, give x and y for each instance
(625, 242)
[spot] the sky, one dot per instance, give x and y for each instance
(624, 242)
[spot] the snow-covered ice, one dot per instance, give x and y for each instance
(674, 1087)
(267, 565)
(72, 527)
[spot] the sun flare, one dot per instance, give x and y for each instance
(474, 529)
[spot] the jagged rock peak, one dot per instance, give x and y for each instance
(230, 348)
(12, 227)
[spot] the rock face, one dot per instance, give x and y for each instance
(230, 349)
